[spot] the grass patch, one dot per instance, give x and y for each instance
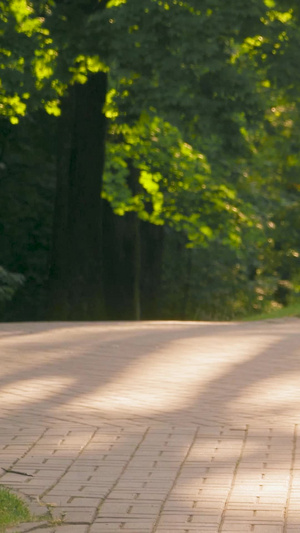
(12, 510)
(292, 310)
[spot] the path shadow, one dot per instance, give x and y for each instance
(226, 374)
(56, 365)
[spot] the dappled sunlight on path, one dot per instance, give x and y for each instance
(187, 371)
(154, 426)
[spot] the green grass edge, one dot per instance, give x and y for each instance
(13, 510)
(292, 310)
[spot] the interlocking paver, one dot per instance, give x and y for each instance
(153, 427)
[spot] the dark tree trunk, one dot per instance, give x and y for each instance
(187, 286)
(137, 268)
(118, 262)
(132, 266)
(75, 281)
(152, 242)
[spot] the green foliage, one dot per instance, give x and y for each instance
(27, 176)
(203, 137)
(194, 72)
(9, 283)
(212, 283)
(292, 310)
(173, 183)
(26, 56)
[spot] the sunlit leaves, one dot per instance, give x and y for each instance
(172, 183)
(12, 106)
(24, 16)
(27, 59)
(115, 3)
(53, 107)
(84, 65)
(43, 64)
(211, 72)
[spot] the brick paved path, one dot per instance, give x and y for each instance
(153, 427)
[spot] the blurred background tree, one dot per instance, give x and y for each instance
(149, 158)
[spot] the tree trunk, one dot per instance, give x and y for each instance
(132, 266)
(119, 264)
(137, 268)
(75, 280)
(152, 243)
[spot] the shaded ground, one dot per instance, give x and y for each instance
(154, 427)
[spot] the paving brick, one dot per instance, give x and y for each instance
(154, 427)
(81, 514)
(73, 528)
(129, 508)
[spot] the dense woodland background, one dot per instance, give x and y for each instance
(149, 158)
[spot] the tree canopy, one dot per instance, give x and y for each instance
(202, 123)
